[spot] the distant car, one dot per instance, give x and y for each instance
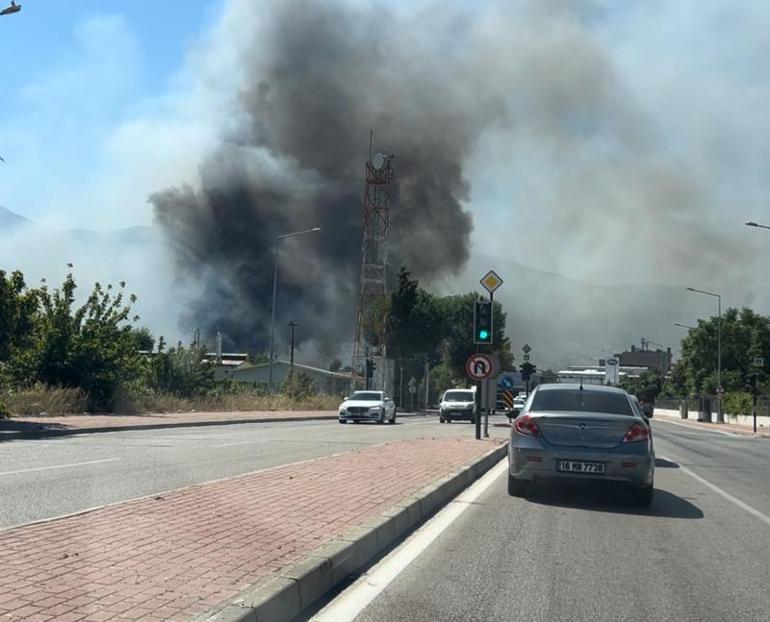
(571, 431)
(457, 404)
(368, 406)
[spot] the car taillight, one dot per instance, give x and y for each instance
(526, 425)
(636, 433)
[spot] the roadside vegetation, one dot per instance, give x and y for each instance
(433, 332)
(745, 341)
(57, 357)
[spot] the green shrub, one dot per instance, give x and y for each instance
(738, 403)
(298, 385)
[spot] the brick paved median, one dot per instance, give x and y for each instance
(176, 555)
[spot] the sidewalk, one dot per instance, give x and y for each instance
(20, 427)
(177, 555)
(733, 428)
(34, 427)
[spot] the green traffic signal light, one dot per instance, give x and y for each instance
(484, 334)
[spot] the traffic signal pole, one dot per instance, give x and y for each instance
(491, 338)
(477, 414)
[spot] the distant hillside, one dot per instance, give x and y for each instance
(10, 220)
(136, 255)
(569, 322)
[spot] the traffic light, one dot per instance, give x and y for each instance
(370, 367)
(527, 369)
(482, 321)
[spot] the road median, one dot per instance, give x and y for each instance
(259, 546)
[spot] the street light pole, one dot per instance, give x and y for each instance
(720, 416)
(751, 223)
(684, 326)
(278, 238)
(292, 326)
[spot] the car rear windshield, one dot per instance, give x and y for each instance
(582, 401)
(458, 396)
(366, 397)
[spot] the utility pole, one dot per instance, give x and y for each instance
(278, 238)
(292, 326)
(427, 381)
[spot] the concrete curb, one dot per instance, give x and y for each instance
(728, 429)
(46, 432)
(283, 596)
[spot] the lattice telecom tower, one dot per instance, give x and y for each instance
(371, 324)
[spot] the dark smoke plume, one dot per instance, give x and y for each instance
(316, 78)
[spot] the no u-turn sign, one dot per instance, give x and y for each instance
(481, 366)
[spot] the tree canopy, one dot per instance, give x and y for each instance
(424, 327)
(745, 336)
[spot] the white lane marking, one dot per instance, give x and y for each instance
(60, 466)
(735, 501)
(358, 596)
(689, 427)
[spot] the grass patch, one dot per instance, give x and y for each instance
(167, 403)
(44, 400)
(41, 399)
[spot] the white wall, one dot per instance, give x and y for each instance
(762, 422)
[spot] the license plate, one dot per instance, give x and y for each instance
(574, 466)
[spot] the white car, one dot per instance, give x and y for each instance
(368, 406)
(519, 401)
(457, 404)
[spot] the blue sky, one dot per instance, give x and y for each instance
(73, 72)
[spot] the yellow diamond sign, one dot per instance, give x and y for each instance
(491, 281)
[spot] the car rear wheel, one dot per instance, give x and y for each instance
(381, 420)
(642, 496)
(393, 418)
(516, 487)
(441, 419)
(343, 421)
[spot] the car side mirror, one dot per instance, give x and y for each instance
(346, 398)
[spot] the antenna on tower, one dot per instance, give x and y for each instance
(371, 142)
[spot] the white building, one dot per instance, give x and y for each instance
(599, 374)
(330, 382)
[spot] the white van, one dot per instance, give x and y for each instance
(457, 404)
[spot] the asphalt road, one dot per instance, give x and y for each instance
(44, 478)
(580, 552)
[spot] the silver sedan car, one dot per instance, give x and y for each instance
(581, 432)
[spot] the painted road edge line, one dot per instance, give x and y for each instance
(734, 500)
(59, 466)
(283, 596)
(695, 428)
(357, 597)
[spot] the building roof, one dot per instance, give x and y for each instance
(308, 368)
